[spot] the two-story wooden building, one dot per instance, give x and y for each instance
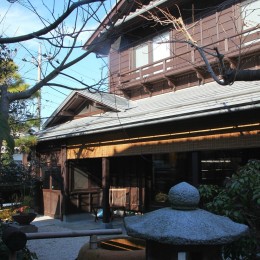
(163, 119)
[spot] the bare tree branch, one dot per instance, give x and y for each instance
(53, 74)
(45, 30)
(227, 75)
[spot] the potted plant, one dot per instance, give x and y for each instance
(24, 215)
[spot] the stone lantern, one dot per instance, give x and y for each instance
(184, 227)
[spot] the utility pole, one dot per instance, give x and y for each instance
(39, 62)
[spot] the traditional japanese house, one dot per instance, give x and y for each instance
(163, 119)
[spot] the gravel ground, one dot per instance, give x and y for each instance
(61, 248)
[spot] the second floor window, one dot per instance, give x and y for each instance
(161, 50)
(141, 55)
(152, 51)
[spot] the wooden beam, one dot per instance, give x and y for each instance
(80, 98)
(65, 189)
(171, 82)
(195, 168)
(199, 75)
(105, 187)
(173, 142)
(66, 113)
(126, 92)
(98, 105)
(147, 87)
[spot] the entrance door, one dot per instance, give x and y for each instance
(52, 184)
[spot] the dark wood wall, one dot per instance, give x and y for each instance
(185, 68)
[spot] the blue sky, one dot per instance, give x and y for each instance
(16, 20)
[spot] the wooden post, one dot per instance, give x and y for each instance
(105, 187)
(196, 168)
(64, 188)
(93, 244)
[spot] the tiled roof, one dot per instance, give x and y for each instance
(196, 101)
(113, 101)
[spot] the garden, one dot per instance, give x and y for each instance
(17, 200)
(238, 199)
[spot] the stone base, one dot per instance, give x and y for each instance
(108, 225)
(25, 228)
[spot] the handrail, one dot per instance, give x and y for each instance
(82, 233)
(16, 240)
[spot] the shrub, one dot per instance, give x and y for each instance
(239, 200)
(6, 214)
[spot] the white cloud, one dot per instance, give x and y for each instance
(18, 21)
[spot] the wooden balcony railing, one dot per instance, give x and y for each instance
(245, 42)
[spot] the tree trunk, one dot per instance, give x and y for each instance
(4, 115)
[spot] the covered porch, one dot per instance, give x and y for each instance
(136, 184)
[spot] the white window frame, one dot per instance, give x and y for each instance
(141, 55)
(152, 51)
(161, 50)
